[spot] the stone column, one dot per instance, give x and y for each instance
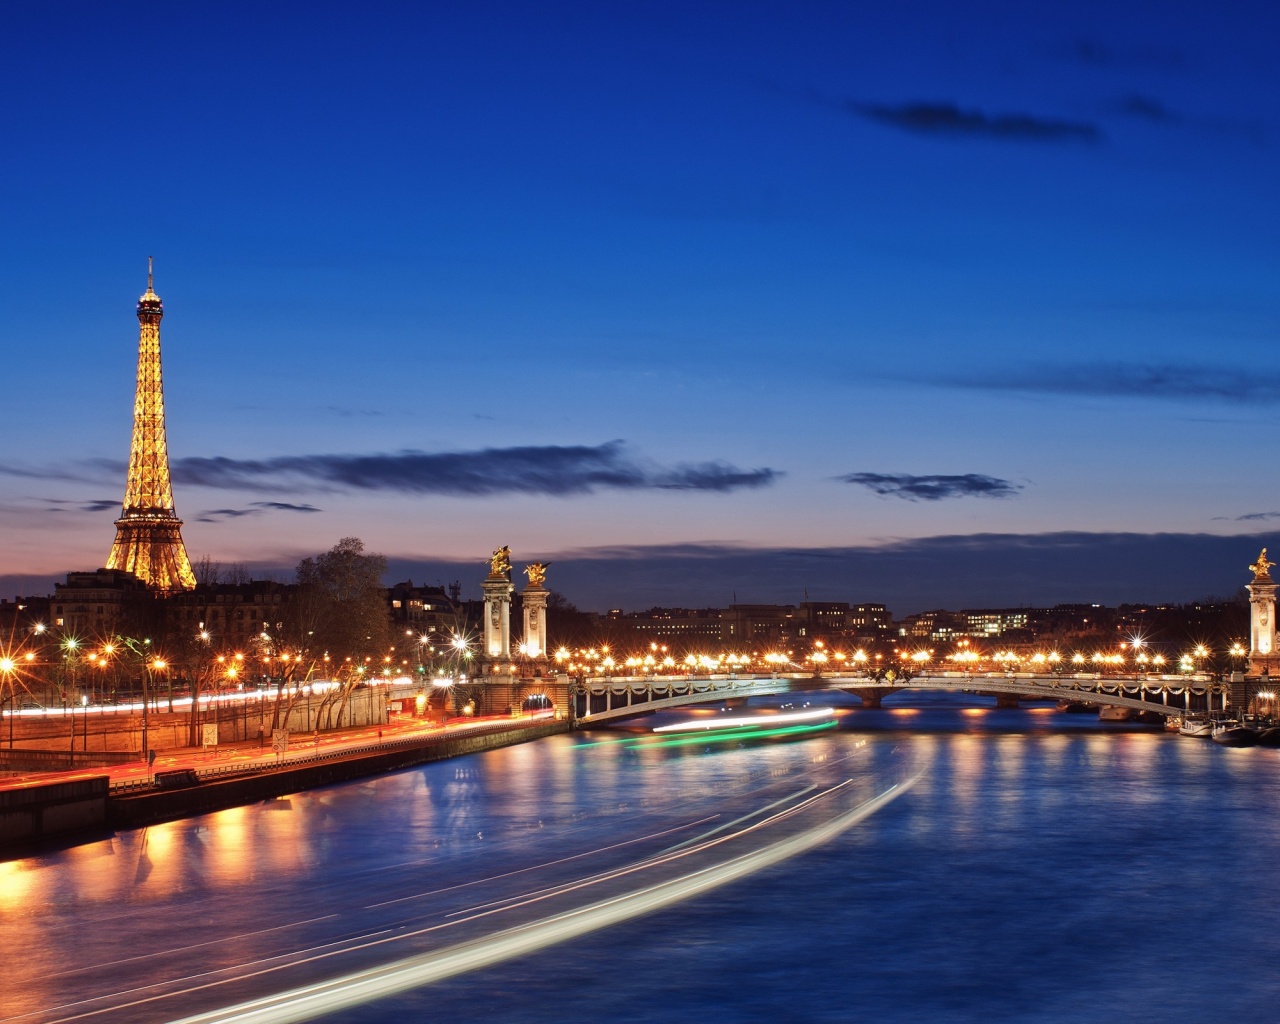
(534, 599)
(497, 618)
(535, 622)
(1263, 659)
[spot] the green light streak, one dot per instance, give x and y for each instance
(714, 735)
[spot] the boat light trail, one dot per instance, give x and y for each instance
(758, 720)
(359, 987)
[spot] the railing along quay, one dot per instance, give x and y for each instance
(301, 759)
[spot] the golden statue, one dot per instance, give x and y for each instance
(500, 562)
(1260, 567)
(537, 573)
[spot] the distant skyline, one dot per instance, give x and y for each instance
(924, 305)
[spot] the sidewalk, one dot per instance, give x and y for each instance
(250, 755)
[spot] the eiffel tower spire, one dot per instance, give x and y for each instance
(149, 533)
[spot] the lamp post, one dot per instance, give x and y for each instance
(8, 667)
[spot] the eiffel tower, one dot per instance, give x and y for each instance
(149, 532)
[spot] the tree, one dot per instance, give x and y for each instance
(340, 611)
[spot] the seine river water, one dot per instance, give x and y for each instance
(927, 862)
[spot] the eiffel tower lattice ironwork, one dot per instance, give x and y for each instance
(149, 533)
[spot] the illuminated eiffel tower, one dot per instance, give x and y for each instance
(149, 532)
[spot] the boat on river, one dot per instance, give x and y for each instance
(1112, 713)
(1234, 734)
(1195, 725)
(1269, 737)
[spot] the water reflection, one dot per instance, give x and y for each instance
(987, 853)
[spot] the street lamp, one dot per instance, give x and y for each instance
(8, 668)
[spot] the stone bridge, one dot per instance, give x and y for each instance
(604, 698)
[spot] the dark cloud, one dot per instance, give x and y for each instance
(85, 471)
(216, 515)
(92, 505)
(549, 469)
(1147, 108)
(1131, 380)
(284, 506)
(984, 570)
(256, 508)
(1252, 517)
(975, 571)
(946, 119)
(1096, 54)
(933, 487)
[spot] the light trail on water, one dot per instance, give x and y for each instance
(359, 987)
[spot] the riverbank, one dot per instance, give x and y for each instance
(30, 817)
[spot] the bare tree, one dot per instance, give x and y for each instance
(208, 572)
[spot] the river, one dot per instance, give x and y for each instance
(931, 861)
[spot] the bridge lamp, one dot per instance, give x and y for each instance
(1077, 658)
(860, 656)
(1055, 657)
(1200, 651)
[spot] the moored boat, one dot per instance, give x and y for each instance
(1195, 725)
(1269, 737)
(1112, 713)
(1233, 734)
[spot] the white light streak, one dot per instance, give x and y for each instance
(764, 721)
(360, 987)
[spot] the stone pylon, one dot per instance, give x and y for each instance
(1263, 659)
(149, 533)
(497, 606)
(534, 600)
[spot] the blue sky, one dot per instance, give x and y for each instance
(759, 278)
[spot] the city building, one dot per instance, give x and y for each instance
(232, 614)
(100, 603)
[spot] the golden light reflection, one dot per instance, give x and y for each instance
(17, 886)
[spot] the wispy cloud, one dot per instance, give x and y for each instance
(1146, 108)
(949, 120)
(933, 487)
(1131, 380)
(1252, 517)
(256, 508)
(91, 505)
(548, 469)
(1092, 52)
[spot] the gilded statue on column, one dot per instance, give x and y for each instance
(1260, 567)
(500, 562)
(537, 573)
